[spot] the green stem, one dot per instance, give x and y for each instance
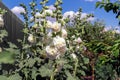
(52, 76)
(22, 54)
(75, 69)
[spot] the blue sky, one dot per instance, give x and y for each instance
(88, 6)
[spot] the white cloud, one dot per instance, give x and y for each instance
(51, 7)
(49, 11)
(91, 19)
(107, 28)
(72, 14)
(17, 10)
(92, 0)
(117, 29)
(83, 15)
(69, 14)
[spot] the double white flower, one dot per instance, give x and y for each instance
(51, 52)
(57, 48)
(60, 43)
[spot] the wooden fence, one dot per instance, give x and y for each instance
(13, 25)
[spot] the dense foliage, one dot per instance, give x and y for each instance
(64, 49)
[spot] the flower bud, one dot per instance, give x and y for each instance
(56, 26)
(1, 21)
(49, 24)
(48, 12)
(64, 33)
(46, 7)
(35, 25)
(56, 4)
(78, 40)
(73, 56)
(31, 38)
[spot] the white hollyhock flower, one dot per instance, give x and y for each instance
(60, 44)
(52, 52)
(78, 40)
(64, 33)
(73, 56)
(56, 26)
(1, 21)
(31, 38)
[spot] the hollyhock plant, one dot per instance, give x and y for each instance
(58, 46)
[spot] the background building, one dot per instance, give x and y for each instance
(12, 24)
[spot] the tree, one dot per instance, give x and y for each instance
(110, 6)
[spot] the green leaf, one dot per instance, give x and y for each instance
(6, 57)
(86, 60)
(34, 73)
(101, 6)
(12, 45)
(15, 77)
(30, 62)
(82, 72)
(45, 71)
(98, 4)
(25, 30)
(69, 76)
(3, 77)
(116, 53)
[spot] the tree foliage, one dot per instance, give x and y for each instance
(110, 6)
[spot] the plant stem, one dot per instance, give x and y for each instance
(93, 71)
(75, 69)
(52, 76)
